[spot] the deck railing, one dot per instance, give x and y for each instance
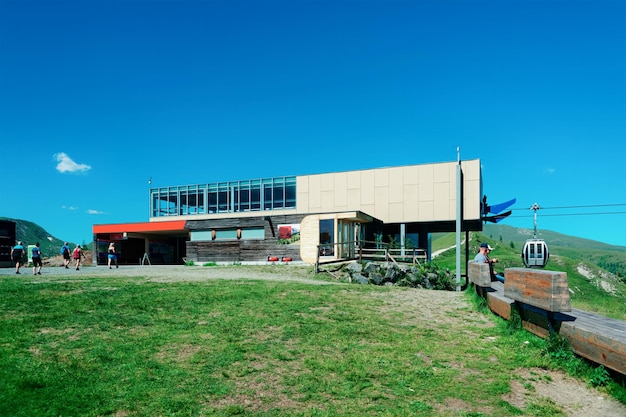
(363, 250)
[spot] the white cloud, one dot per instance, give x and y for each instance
(66, 164)
(92, 211)
(70, 208)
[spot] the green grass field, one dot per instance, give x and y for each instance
(128, 347)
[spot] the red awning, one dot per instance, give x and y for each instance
(169, 226)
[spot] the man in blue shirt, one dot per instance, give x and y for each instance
(16, 255)
(483, 257)
(37, 264)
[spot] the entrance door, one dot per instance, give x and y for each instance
(346, 239)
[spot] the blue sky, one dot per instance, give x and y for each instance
(97, 97)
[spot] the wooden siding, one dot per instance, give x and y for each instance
(243, 250)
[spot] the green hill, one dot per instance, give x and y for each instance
(609, 257)
(30, 233)
(596, 271)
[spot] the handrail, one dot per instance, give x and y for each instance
(363, 249)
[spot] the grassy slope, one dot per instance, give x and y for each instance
(587, 293)
(128, 347)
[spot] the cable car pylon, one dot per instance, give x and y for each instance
(535, 252)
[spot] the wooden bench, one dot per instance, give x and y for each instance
(543, 302)
(479, 273)
(547, 290)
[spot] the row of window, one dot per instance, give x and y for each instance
(227, 234)
(224, 197)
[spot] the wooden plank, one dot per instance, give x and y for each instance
(500, 304)
(548, 290)
(597, 338)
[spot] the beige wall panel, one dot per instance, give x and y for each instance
(471, 206)
(309, 237)
(302, 184)
(328, 200)
(396, 213)
(302, 194)
(452, 182)
(354, 180)
(443, 172)
(302, 202)
(410, 213)
(426, 183)
(315, 193)
(354, 199)
(410, 205)
(381, 203)
(369, 209)
(396, 185)
(341, 191)
(381, 177)
(367, 187)
(328, 182)
(410, 175)
(442, 202)
(426, 192)
(471, 170)
(426, 210)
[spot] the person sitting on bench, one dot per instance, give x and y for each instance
(483, 256)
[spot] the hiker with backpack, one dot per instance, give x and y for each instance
(65, 251)
(77, 254)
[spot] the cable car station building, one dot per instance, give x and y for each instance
(298, 217)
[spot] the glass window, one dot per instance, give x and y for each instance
(290, 193)
(253, 233)
(244, 197)
(225, 197)
(255, 196)
(327, 237)
(184, 204)
(226, 234)
(212, 198)
(279, 197)
(267, 196)
(200, 235)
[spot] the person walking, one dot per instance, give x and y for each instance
(36, 255)
(16, 256)
(65, 251)
(112, 255)
(78, 254)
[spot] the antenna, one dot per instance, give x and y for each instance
(534, 208)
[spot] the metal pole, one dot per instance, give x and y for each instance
(459, 196)
(535, 207)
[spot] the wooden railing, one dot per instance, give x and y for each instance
(363, 250)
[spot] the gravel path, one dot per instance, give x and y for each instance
(173, 273)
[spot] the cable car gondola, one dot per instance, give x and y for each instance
(535, 253)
